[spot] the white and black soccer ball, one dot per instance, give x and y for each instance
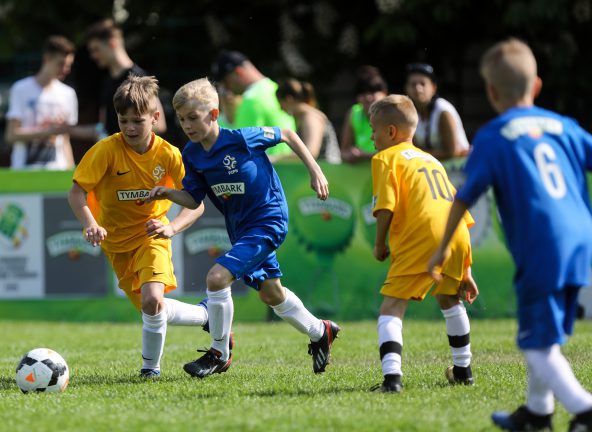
(42, 370)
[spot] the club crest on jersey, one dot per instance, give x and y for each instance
(229, 163)
(158, 172)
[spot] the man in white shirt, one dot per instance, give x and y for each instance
(41, 110)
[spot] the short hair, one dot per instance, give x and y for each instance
(200, 90)
(136, 92)
(58, 45)
(396, 109)
(510, 67)
(226, 62)
(103, 30)
(301, 91)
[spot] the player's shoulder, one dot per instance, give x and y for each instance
(23, 84)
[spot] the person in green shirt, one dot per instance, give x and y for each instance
(259, 105)
(356, 134)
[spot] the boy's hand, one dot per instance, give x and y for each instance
(95, 234)
(381, 252)
(155, 228)
(320, 185)
(468, 288)
(158, 193)
(436, 262)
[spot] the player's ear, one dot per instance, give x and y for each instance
(155, 117)
(392, 130)
(537, 87)
(214, 113)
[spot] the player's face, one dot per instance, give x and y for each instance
(420, 88)
(381, 132)
(195, 120)
(59, 64)
(100, 52)
(137, 128)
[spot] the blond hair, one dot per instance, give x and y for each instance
(396, 109)
(136, 92)
(200, 90)
(510, 67)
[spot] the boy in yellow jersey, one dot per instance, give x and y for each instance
(115, 175)
(412, 197)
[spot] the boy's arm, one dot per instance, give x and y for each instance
(457, 212)
(468, 287)
(318, 182)
(383, 222)
(184, 219)
(93, 233)
(181, 197)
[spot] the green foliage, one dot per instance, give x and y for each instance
(270, 386)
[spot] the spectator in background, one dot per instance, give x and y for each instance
(229, 102)
(356, 134)
(41, 109)
(106, 47)
(440, 130)
(298, 99)
(259, 105)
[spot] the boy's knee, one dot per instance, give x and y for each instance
(447, 301)
(218, 279)
(272, 294)
(152, 304)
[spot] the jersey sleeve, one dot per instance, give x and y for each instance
(193, 182)
(177, 169)
(261, 138)
(478, 172)
(92, 167)
(73, 115)
(383, 187)
(585, 140)
(16, 104)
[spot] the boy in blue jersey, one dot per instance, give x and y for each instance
(536, 162)
(232, 169)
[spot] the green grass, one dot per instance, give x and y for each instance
(270, 386)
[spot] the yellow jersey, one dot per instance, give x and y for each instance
(117, 179)
(414, 186)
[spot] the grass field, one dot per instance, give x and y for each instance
(270, 386)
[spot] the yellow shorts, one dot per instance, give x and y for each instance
(416, 287)
(151, 262)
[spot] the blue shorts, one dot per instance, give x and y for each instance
(253, 259)
(547, 320)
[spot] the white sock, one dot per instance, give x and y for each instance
(539, 397)
(293, 311)
(153, 336)
(390, 343)
(458, 330)
(221, 312)
(179, 313)
(552, 370)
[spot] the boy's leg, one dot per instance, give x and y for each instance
(154, 327)
(458, 331)
(185, 314)
(290, 308)
(390, 342)
(221, 311)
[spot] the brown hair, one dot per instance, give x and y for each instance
(103, 30)
(301, 91)
(396, 109)
(58, 45)
(138, 93)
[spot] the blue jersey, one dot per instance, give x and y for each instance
(536, 162)
(239, 179)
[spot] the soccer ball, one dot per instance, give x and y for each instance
(42, 370)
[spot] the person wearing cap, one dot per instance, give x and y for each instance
(259, 105)
(356, 133)
(440, 130)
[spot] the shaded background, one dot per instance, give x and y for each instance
(319, 41)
